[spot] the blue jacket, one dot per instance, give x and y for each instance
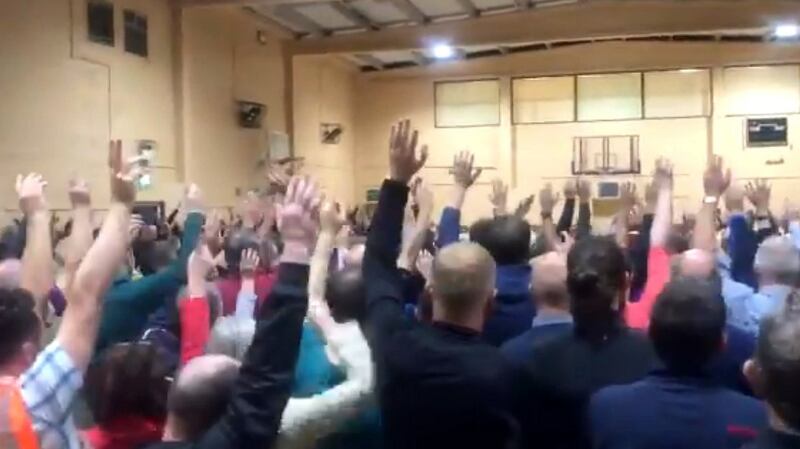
(513, 308)
(669, 411)
(521, 348)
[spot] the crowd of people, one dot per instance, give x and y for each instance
(297, 325)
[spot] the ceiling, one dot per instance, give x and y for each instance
(370, 22)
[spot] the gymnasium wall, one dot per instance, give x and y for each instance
(528, 155)
(64, 97)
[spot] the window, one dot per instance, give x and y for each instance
(677, 93)
(544, 100)
(135, 33)
(762, 89)
(467, 103)
(616, 96)
(100, 22)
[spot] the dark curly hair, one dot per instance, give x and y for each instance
(18, 322)
(129, 379)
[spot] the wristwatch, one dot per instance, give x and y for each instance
(710, 199)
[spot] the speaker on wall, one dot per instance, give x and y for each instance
(251, 114)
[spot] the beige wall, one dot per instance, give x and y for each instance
(64, 97)
(224, 62)
(528, 156)
(324, 92)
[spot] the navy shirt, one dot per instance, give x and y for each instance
(513, 306)
(668, 411)
(545, 327)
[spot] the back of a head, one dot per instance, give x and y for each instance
(238, 241)
(596, 280)
(200, 395)
(128, 380)
(18, 323)
(778, 356)
(506, 237)
(687, 323)
(231, 336)
(463, 279)
(345, 294)
(778, 258)
(549, 282)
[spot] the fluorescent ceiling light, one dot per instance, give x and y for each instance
(788, 30)
(442, 51)
(688, 70)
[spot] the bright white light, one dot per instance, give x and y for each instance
(787, 31)
(442, 51)
(688, 70)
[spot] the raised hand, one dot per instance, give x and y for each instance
(734, 199)
(548, 199)
(135, 227)
(662, 175)
(211, 230)
(248, 263)
(30, 190)
(524, 206)
(627, 196)
(716, 180)
(425, 264)
(570, 189)
(200, 263)
(584, 190)
(296, 219)
(403, 160)
(193, 199)
(79, 194)
(462, 170)
(331, 218)
(123, 175)
(499, 196)
(759, 194)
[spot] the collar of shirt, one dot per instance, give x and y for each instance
(454, 329)
(546, 318)
(700, 376)
(513, 279)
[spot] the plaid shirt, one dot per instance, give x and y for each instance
(49, 388)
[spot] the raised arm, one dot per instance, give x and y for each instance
(627, 203)
(37, 258)
(742, 241)
(570, 193)
(413, 242)
(499, 197)
(382, 278)
(464, 176)
(194, 311)
(331, 222)
(715, 182)
(641, 246)
(547, 202)
(637, 314)
(759, 193)
(78, 330)
(584, 226)
(81, 236)
(262, 389)
(246, 298)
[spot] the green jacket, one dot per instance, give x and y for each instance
(128, 302)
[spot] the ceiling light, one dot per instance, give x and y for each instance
(442, 51)
(788, 30)
(688, 70)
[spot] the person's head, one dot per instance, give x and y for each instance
(507, 238)
(696, 263)
(128, 380)
(10, 273)
(597, 281)
(677, 242)
(20, 331)
(549, 284)
(199, 396)
(777, 261)
(687, 323)
(345, 294)
(775, 369)
(231, 336)
(462, 284)
(238, 241)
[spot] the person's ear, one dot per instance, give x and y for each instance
(753, 374)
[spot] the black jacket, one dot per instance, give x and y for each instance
(265, 379)
(438, 386)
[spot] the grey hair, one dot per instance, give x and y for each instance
(231, 336)
(778, 256)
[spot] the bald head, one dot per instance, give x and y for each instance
(199, 396)
(463, 281)
(697, 263)
(550, 280)
(354, 256)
